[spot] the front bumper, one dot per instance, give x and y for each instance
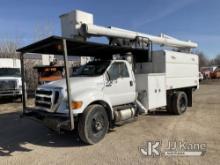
(54, 121)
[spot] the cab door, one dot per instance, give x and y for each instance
(120, 86)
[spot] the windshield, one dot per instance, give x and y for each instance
(94, 68)
(10, 72)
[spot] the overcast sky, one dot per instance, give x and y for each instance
(196, 20)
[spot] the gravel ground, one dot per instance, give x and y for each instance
(26, 142)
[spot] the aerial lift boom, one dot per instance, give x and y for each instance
(79, 24)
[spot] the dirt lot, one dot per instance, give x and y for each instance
(26, 142)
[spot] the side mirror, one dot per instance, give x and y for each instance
(107, 76)
(108, 80)
(111, 78)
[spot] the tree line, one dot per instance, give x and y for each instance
(205, 61)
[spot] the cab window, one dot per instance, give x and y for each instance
(118, 70)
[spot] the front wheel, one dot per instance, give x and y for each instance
(93, 124)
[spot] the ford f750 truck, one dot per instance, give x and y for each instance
(122, 80)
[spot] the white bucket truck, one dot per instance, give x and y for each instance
(125, 79)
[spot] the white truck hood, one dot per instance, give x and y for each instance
(76, 83)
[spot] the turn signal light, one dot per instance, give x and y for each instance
(76, 104)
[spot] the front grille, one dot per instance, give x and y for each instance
(48, 106)
(43, 92)
(46, 99)
(8, 84)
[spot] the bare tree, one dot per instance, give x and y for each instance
(217, 60)
(203, 60)
(8, 49)
(212, 62)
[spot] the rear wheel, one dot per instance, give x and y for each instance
(93, 124)
(179, 103)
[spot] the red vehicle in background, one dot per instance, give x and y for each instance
(49, 73)
(216, 74)
(208, 72)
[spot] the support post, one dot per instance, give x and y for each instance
(23, 82)
(68, 83)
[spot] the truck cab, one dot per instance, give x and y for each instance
(111, 82)
(100, 89)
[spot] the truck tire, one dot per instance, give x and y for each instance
(179, 103)
(93, 124)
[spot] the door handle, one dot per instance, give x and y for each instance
(131, 83)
